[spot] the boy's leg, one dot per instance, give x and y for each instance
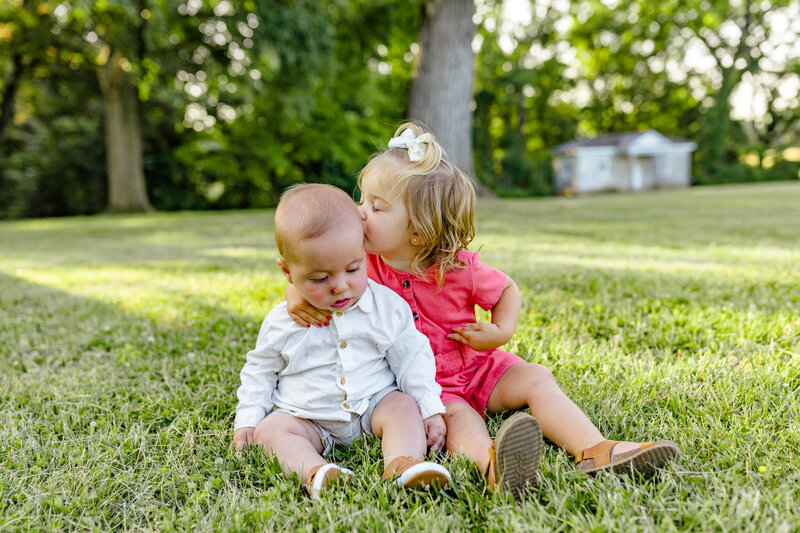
(293, 441)
(396, 420)
(533, 385)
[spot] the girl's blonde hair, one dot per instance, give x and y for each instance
(440, 200)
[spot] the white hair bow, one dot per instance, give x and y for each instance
(415, 145)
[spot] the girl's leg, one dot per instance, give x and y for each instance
(513, 463)
(397, 422)
(467, 434)
(562, 421)
(293, 441)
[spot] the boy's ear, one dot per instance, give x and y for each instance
(284, 266)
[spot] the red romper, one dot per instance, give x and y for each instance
(465, 375)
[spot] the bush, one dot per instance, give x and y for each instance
(55, 168)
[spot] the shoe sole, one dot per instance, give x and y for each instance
(518, 449)
(423, 475)
(644, 462)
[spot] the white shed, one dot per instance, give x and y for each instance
(623, 162)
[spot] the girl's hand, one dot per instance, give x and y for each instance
(479, 336)
(303, 313)
(243, 436)
(436, 431)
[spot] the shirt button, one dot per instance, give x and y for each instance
(416, 316)
(346, 405)
(341, 380)
(343, 344)
(339, 313)
(406, 283)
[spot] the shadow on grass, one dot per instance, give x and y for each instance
(71, 343)
(111, 416)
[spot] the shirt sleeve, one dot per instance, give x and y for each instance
(411, 359)
(259, 378)
(487, 284)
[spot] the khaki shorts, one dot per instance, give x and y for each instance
(333, 431)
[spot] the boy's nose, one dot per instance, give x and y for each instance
(338, 286)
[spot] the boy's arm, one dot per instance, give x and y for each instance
(303, 313)
(415, 370)
(411, 359)
(505, 316)
(259, 377)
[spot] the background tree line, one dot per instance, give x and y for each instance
(230, 102)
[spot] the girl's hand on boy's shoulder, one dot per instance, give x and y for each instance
(479, 336)
(436, 430)
(243, 437)
(301, 312)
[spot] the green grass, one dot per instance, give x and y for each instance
(666, 315)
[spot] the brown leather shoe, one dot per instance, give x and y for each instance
(514, 455)
(321, 476)
(646, 460)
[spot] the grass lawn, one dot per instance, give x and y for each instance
(666, 315)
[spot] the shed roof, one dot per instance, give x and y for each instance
(620, 140)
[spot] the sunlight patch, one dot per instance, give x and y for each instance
(240, 253)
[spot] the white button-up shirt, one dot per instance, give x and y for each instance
(330, 373)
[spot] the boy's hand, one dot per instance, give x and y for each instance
(479, 336)
(436, 431)
(303, 313)
(243, 436)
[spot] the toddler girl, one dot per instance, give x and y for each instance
(418, 212)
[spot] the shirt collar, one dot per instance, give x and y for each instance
(367, 300)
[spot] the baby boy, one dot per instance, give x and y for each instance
(370, 372)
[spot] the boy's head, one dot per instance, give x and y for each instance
(320, 237)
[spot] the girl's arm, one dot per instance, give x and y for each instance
(505, 315)
(300, 311)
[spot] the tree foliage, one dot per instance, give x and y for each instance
(601, 66)
(519, 113)
(306, 109)
(674, 66)
(237, 100)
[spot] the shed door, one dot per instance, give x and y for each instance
(637, 179)
(642, 173)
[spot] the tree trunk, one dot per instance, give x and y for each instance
(9, 94)
(123, 138)
(441, 93)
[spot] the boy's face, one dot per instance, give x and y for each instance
(386, 220)
(329, 271)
